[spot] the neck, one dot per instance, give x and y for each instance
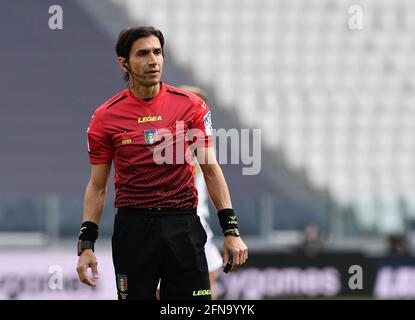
(145, 93)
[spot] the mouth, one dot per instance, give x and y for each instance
(153, 72)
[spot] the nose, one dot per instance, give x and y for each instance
(152, 59)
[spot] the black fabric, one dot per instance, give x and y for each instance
(159, 211)
(227, 219)
(166, 245)
(88, 231)
(83, 245)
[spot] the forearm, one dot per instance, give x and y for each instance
(94, 201)
(233, 246)
(217, 186)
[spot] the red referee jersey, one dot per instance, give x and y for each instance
(125, 130)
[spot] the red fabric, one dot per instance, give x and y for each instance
(121, 130)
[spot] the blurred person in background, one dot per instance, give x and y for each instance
(157, 233)
(398, 245)
(312, 241)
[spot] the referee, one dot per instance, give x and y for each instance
(157, 233)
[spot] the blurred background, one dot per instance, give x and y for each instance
(331, 84)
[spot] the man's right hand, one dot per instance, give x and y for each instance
(87, 260)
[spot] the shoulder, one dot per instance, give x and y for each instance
(102, 109)
(186, 96)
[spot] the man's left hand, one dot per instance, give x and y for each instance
(234, 247)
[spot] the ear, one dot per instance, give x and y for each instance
(123, 64)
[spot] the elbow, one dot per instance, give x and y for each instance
(210, 170)
(97, 188)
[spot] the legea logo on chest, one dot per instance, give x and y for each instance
(149, 119)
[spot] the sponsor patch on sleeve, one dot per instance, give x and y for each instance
(208, 124)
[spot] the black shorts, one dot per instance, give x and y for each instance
(148, 246)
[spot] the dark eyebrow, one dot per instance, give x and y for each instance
(145, 51)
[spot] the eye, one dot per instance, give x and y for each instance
(157, 52)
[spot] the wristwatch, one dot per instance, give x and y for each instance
(82, 245)
(232, 232)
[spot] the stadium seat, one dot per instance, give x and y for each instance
(338, 103)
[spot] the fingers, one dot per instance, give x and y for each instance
(94, 267)
(85, 262)
(83, 276)
(225, 257)
(235, 264)
(239, 252)
(236, 260)
(244, 254)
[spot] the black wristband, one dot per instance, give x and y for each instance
(227, 219)
(83, 245)
(88, 231)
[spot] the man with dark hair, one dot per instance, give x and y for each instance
(126, 39)
(157, 233)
